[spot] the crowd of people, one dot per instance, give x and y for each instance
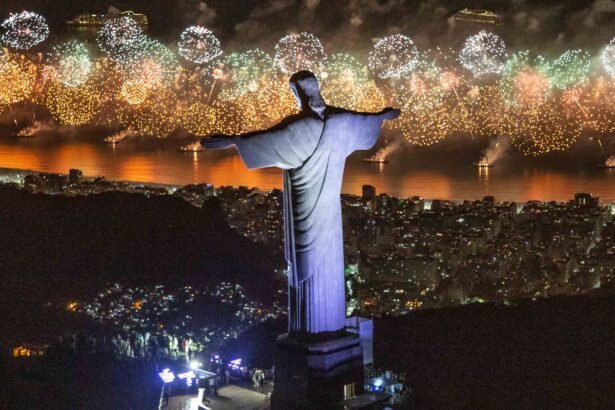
(146, 345)
(133, 345)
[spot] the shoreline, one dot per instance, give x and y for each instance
(25, 172)
(13, 175)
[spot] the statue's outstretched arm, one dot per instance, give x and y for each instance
(388, 113)
(221, 141)
(218, 141)
(365, 127)
(285, 145)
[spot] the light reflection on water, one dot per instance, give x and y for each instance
(163, 163)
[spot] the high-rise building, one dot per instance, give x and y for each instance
(489, 200)
(53, 181)
(585, 199)
(75, 176)
(31, 183)
(369, 192)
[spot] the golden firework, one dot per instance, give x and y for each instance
(200, 119)
(72, 105)
(18, 77)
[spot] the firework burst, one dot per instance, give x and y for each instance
(343, 81)
(248, 72)
(18, 78)
(570, 69)
(297, 52)
(608, 58)
(200, 119)
(72, 105)
(544, 129)
(24, 30)
(122, 39)
(483, 53)
(198, 45)
(71, 63)
(393, 56)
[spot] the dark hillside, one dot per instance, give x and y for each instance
(54, 248)
(553, 353)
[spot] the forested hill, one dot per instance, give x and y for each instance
(57, 246)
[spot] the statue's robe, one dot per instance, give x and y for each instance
(312, 152)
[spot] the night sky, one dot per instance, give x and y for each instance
(353, 24)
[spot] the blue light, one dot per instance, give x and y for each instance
(187, 375)
(167, 376)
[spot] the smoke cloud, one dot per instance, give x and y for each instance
(120, 136)
(383, 153)
(37, 127)
(355, 23)
(497, 149)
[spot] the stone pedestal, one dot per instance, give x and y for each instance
(314, 375)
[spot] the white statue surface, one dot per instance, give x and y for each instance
(311, 147)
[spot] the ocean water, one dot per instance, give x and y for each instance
(408, 173)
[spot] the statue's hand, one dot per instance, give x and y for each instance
(390, 113)
(217, 141)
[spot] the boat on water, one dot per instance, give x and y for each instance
(28, 132)
(483, 163)
(376, 160)
(194, 147)
(113, 139)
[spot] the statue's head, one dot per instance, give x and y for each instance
(304, 86)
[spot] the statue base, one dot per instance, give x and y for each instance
(316, 374)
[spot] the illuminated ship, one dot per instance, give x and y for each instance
(483, 163)
(480, 17)
(115, 138)
(609, 163)
(376, 160)
(97, 20)
(28, 132)
(194, 147)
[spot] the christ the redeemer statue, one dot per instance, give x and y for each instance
(311, 147)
